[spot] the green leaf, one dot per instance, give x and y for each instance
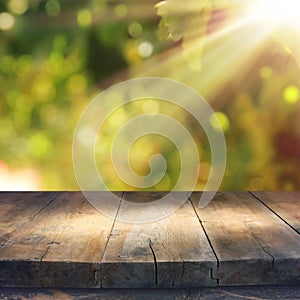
(187, 21)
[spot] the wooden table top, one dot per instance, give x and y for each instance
(58, 239)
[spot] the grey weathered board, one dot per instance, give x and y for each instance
(285, 204)
(60, 240)
(206, 293)
(252, 244)
(61, 245)
(173, 252)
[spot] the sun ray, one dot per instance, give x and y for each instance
(227, 50)
(230, 48)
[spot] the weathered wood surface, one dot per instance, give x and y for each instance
(61, 240)
(60, 246)
(173, 252)
(210, 293)
(18, 208)
(252, 244)
(285, 204)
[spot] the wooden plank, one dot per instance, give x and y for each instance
(59, 242)
(60, 247)
(173, 252)
(284, 204)
(16, 209)
(252, 244)
(211, 293)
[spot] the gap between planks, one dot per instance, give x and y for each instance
(174, 252)
(266, 199)
(161, 251)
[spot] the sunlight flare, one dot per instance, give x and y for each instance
(277, 12)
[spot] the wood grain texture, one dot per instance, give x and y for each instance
(16, 209)
(210, 293)
(284, 204)
(173, 252)
(61, 246)
(61, 240)
(252, 244)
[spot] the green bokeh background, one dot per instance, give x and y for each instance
(56, 56)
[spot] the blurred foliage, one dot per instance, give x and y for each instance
(188, 21)
(55, 56)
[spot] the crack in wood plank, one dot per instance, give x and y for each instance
(40, 264)
(183, 270)
(45, 206)
(209, 241)
(154, 262)
(267, 252)
(110, 234)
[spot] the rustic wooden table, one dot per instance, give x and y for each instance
(58, 239)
